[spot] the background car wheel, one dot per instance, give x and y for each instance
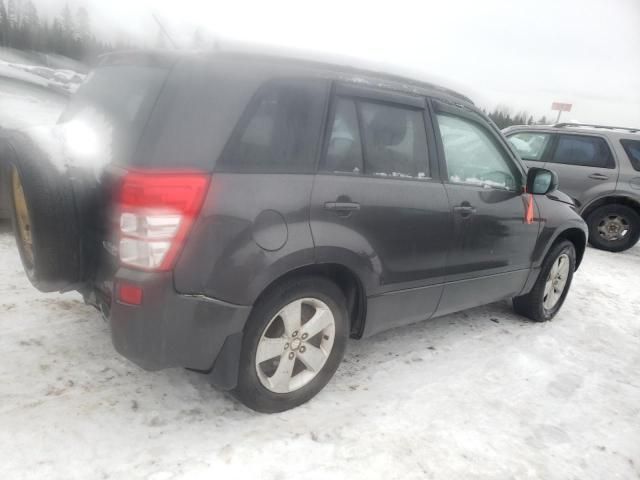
(614, 228)
(551, 288)
(293, 343)
(43, 213)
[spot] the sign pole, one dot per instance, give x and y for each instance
(558, 118)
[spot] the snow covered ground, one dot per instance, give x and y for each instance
(24, 104)
(479, 394)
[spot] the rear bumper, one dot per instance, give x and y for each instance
(175, 330)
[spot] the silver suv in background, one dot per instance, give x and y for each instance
(598, 166)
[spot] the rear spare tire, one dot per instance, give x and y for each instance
(43, 213)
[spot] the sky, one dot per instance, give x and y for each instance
(520, 53)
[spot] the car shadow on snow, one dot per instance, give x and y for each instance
(396, 350)
(5, 226)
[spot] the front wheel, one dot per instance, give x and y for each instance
(551, 288)
(293, 343)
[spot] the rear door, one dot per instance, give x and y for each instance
(585, 166)
(492, 246)
(378, 205)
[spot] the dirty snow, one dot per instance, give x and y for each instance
(64, 80)
(478, 394)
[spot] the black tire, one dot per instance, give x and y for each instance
(600, 214)
(56, 260)
(250, 391)
(531, 305)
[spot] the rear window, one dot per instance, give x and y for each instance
(115, 103)
(584, 151)
(632, 147)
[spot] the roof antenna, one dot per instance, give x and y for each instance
(164, 31)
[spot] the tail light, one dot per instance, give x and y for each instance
(156, 212)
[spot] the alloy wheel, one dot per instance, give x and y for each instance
(556, 281)
(295, 345)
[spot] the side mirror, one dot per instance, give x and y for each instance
(541, 181)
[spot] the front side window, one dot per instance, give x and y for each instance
(582, 150)
(632, 147)
(393, 138)
(530, 145)
(280, 131)
(473, 156)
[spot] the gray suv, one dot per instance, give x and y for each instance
(258, 211)
(598, 166)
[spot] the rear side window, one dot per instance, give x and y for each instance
(395, 141)
(377, 139)
(582, 150)
(530, 145)
(280, 130)
(632, 147)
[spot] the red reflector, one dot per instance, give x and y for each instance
(527, 198)
(131, 294)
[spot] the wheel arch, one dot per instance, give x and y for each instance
(575, 236)
(345, 278)
(610, 200)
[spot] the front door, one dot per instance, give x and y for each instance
(377, 207)
(492, 245)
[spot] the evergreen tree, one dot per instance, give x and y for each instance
(83, 31)
(67, 21)
(22, 28)
(4, 24)
(13, 14)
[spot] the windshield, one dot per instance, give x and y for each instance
(111, 108)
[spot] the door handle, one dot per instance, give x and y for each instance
(599, 176)
(342, 207)
(465, 209)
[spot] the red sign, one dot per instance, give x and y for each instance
(563, 107)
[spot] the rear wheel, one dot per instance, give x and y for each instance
(551, 288)
(293, 343)
(614, 227)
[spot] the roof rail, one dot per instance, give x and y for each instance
(569, 124)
